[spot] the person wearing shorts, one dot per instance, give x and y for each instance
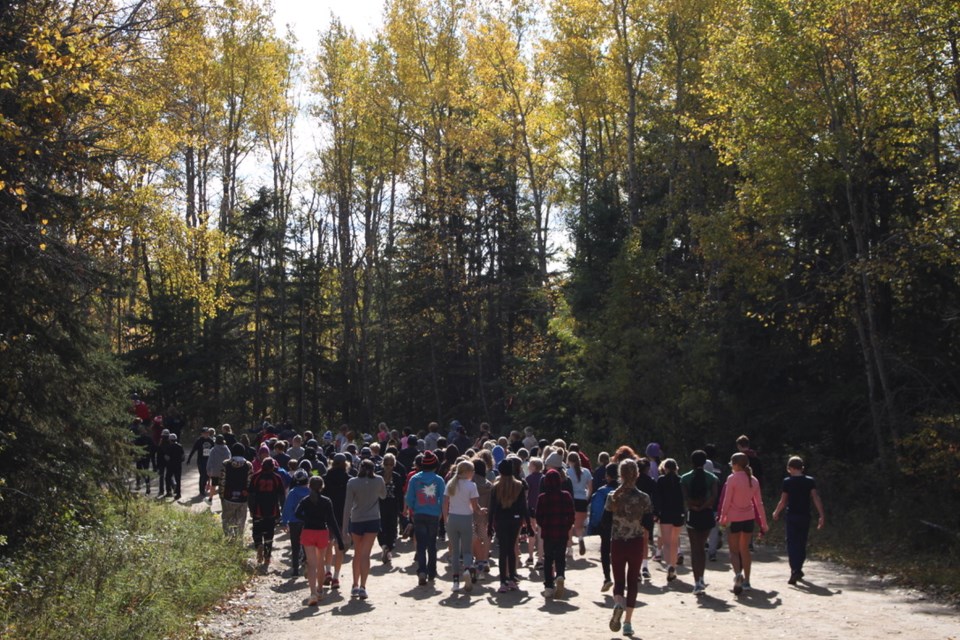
(316, 513)
(742, 504)
(361, 517)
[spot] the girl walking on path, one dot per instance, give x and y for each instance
(670, 513)
(508, 511)
(293, 524)
(741, 505)
(700, 489)
(555, 514)
(627, 508)
(361, 517)
(798, 490)
(316, 512)
(390, 507)
(461, 502)
(582, 480)
(481, 539)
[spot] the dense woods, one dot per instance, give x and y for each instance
(613, 220)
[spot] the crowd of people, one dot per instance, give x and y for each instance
(534, 499)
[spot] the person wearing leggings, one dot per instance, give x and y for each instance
(626, 510)
(264, 498)
(700, 488)
(508, 511)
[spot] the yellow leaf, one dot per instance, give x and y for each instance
(185, 12)
(43, 246)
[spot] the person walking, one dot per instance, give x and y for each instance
(335, 488)
(234, 491)
(742, 504)
(670, 513)
(627, 509)
(201, 448)
(508, 512)
(265, 496)
(700, 488)
(294, 525)
(461, 502)
(582, 480)
(424, 499)
(319, 520)
(361, 518)
(555, 513)
(798, 491)
(215, 459)
(599, 526)
(390, 507)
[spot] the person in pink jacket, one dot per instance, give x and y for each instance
(741, 505)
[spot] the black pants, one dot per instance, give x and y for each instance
(172, 479)
(605, 554)
(296, 528)
(143, 465)
(263, 534)
(161, 475)
(554, 555)
(798, 530)
(507, 532)
(388, 529)
(202, 468)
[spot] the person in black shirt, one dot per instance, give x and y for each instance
(147, 453)
(798, 491)
(316, 511)
(170, 453)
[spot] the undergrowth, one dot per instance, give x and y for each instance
(145, 571)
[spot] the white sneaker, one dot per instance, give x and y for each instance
(467, 581)
(549, 592)
(456, 585)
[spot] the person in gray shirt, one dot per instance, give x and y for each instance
(361, 518)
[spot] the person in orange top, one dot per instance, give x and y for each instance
(741, 505)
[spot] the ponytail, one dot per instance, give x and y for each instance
(574, 458)
(741, 460)
(367, 469)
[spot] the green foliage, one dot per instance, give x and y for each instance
(143, 570)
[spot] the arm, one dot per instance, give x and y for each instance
(445, 511)
(784, 498)
(332, 525)
(819, 505)
(758, 506)
(347, 507)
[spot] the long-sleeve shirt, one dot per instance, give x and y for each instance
(425, 492)
(741, 500)
(294, 497)
(218, 455)
(265, 495)
(362, 503)
(555, 513)
(318, 516)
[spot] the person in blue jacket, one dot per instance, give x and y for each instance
(293, 524)
(424, 499)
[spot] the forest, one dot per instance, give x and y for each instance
(611, 220)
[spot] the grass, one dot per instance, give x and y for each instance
(147, 571)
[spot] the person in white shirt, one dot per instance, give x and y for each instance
(461, 501)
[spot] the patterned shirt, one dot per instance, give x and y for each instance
(629, 515)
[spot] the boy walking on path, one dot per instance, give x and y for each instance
(425, 500)
(798, 491)
(555, 515)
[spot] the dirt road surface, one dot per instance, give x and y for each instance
(831, 602)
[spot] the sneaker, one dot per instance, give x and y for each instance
(671, 574)
(738, 585)
(583, 547)
(793, 578)
(800, 574)
(657, 558)
(512, 585)
(422, 579)
(607, 584)
(327, 578)
(354, 592)
(627, 629)
(362, 593)
(559, 590)
(385, 556)
(529, 560)
(713, 557)
(615, 618)
(503, 588)
(746, 585)
(312, 602)
(698, 588)
(456, 584)
(335, 583)
(549, 592)
(679, 559)
(645, 574)
(468, 581)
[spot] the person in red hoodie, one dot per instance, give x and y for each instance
(555, 514)
(264, 498)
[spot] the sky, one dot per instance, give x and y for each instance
(308, 17)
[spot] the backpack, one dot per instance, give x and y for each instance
(597, 502)
(235, 487)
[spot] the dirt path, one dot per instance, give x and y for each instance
(833, 602)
